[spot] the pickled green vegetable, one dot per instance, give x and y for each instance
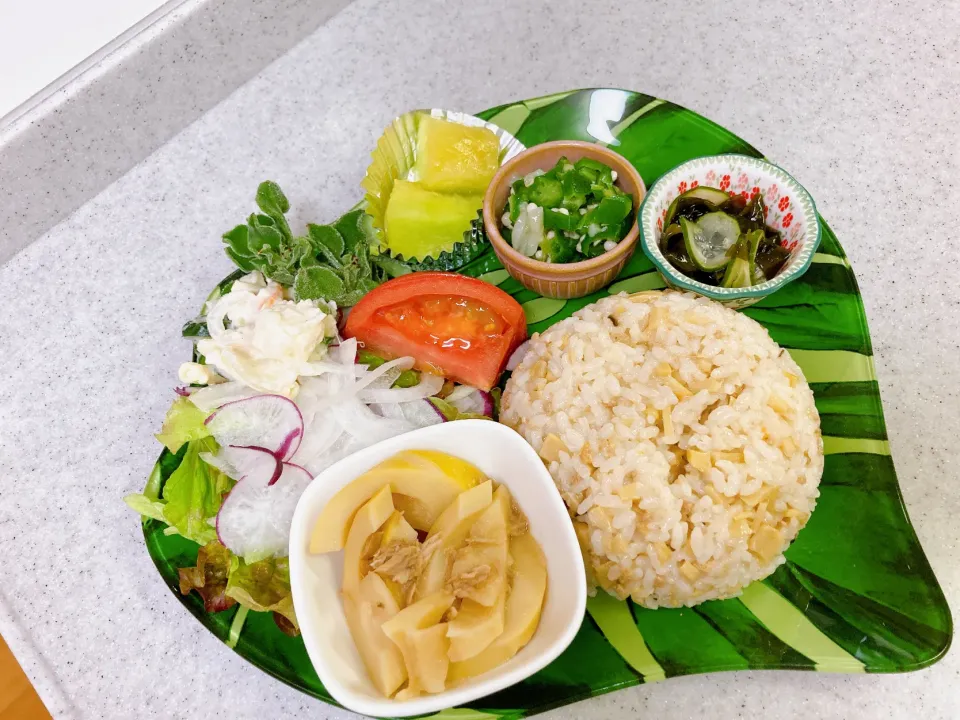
(721, 239)
(709, 239)
(579, 207)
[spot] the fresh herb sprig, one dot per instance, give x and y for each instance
(331, 262)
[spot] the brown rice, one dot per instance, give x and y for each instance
(684, 441)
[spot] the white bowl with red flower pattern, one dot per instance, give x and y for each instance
(790, 210)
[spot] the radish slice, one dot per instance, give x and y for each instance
(254, 520)
(213, 396)
(320, 433)
(272, 422)
(422, 413)
(518, 355)
(245, 463)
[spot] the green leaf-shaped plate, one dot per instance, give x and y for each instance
(856, 593)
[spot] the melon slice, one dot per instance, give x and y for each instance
(420, 223)
(455, 158)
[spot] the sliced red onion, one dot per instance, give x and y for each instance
(183, 391)
(517, 356)
(254, 519)
(268, 421)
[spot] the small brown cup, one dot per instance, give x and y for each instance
(561, 280)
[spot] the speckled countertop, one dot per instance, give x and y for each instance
(860, 103)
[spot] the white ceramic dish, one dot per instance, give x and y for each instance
(315, 579)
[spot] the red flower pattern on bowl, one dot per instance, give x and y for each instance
(744, 179)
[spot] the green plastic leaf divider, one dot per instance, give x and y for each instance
(615, 621)
(837, 445)
(822, 366)
(638, 283)
(856, 592)
(633, 117)
(792, 627)
(541, 308)
(495, 277)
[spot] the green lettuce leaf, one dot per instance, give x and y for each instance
(209, 577)
(145, 506)
(183, 423)
(193, 494)
(263, 586)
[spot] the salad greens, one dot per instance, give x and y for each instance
(330, 262)
(187, 489)
(263, 586)
(188, 501)
(194, 490)
(209, 577)
(184, 422)
(193, 493)
(569, 213)
(450, 412)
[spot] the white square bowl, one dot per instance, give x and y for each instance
(506, 458)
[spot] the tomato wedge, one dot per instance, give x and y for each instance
(459, 327)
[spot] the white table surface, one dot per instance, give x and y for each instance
(43, 39)
(859, 102)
